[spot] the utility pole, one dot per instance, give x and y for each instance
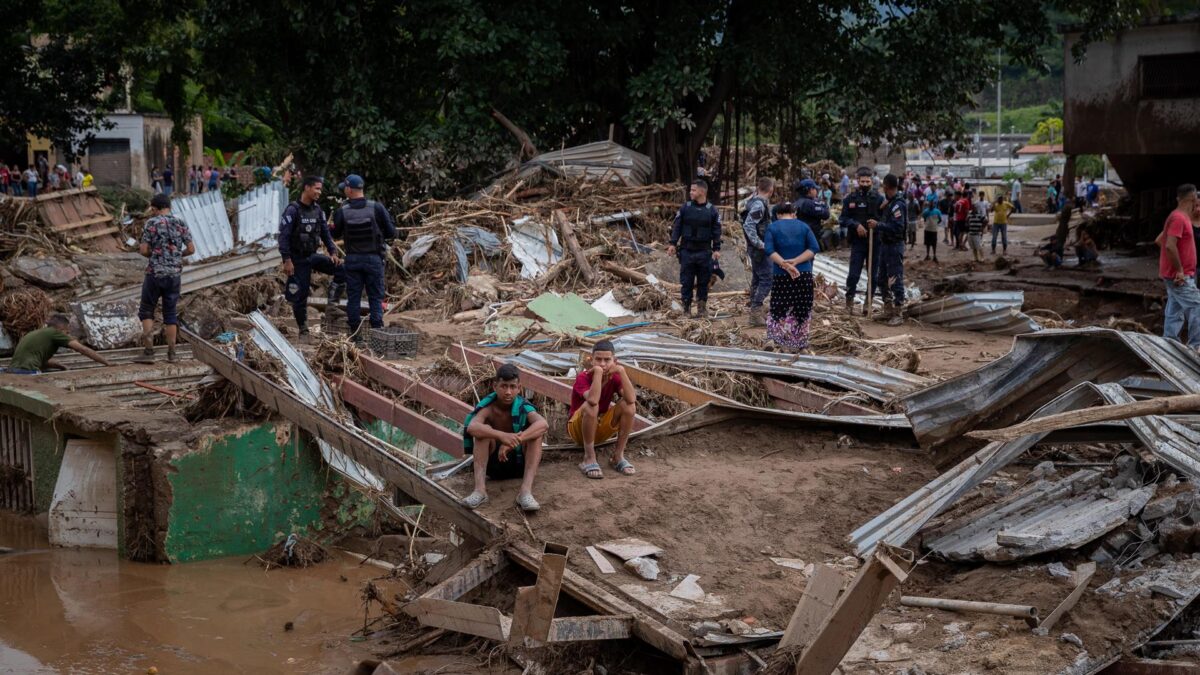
(979, 149)
(999, 78)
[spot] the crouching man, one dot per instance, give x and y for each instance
(504, 434)
(596, 417)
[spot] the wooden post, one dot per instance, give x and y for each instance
(581, 261)
(533, 613)
(816, 604)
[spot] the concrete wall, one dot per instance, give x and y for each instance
(1103, 110)
(128, 127)
(243, 491)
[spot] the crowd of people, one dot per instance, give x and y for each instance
(40, 177)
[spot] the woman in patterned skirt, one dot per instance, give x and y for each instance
(791, 245)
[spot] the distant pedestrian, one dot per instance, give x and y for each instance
(192, 179)
(844, 185)
(156, 180)
(791, 247)
(166, 241)
(87, 178)
(168, 181)
(914, 216)
(1086, 250)
(932, 217)
(16, 181)
(54, 181)
(696, 240)
(962, 211)
(754, 227)
(31, 182)
(1000, 222)
(4, 176)
(214, 179)
(1093, 193)
(891, 229)
(367, 229)
(1177, 268)
(1015, 193)
(976, 223)
(946, 206)
(78, 178)
(1051, 199)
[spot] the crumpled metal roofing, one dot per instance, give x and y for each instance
(1039, 367)
(835, 271)
(1165, 438)
(196, 277)
(208, 222)
(878, 382)
(259, 212)
(603, 160)
(990, 312)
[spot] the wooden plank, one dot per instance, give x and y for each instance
(582, 628)
(454, 561)
(549, 387)
(605, 566)
(815, 605)
(1082, 576)
(367, 451)
(92, 234)
(535, 605)
(853, 611)
(463, 617)
(59, 194)
(413, 388)
(398, 416)
(649, 629)
(682, 391)
(810, 400)
(581, 261)
(67, 227)
(1135, 666)
(471, 576)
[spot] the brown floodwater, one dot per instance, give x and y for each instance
(86, 611)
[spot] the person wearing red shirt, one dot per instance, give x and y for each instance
(595, 417)
(1177, 268)
(962, 212)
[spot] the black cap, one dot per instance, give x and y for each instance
(160, 201)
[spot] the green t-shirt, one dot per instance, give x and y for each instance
(38, 347)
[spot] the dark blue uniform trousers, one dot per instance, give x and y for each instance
(304, 269)
(695, 270)
(761, 269)
(858, 260)
(889, 274)
(364, 271)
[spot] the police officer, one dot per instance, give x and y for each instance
(696, 235)
(808, 208)
(754, 227)
(891, 231)
(366, 228)
(860, 211)
(302, 230)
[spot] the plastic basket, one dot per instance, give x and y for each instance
(392, 342)
(334, 322)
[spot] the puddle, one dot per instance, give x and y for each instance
(85, 611)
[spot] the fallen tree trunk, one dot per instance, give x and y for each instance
(631, 275)
(1186, 403)
(564, 264)
(527, 148)
(568, 233)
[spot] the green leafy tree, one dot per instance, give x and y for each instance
(1041, 165)
(1049, 131)
(1091, 166)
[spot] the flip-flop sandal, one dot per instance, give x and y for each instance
(474, 500)
(624, 467)
(588, 469)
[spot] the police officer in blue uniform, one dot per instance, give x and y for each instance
(809, 208)
(696, 235)
(754, 228)
(860, 212)
(303, 229)
(891, 230)
(366, 228)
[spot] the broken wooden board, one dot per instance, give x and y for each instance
(534, 609)
(602, 563)
(584, 628)
(629, 548)
(81, 217)
(1082, 576)
(817, 603)
(463, 617)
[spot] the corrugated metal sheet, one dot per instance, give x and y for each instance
(1039, 367)
(603, 160)
(259, 211)
(1046, 515)
(836, 271)
(535, 245)
(196, 277)
(990, 312)
(208, 222)
(72, 360)
(1167, 439)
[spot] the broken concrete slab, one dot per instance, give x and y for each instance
(689, 589)
(567, 314)
(109, 325)
(46, 272)
(645, 568)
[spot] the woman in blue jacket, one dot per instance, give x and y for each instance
(791, 245)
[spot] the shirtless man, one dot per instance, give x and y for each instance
(508, 432)
(595, 417)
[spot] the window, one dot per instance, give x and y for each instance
(1170, 75)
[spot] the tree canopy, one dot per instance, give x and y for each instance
(404, 93)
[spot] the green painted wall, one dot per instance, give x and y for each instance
(47, 460)
(242, 492)
(406, 441)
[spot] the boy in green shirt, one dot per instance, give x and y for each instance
(35, 351)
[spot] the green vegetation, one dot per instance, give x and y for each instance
(1015, 120)
(1091, 166)
(1049, 131)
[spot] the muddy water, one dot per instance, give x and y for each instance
(86, 611)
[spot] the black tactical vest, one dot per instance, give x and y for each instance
(698, 223)
(361, 231)
(306, 229)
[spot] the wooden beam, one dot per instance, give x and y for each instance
(841, 628)
(815, 605)
(400, 417)
(412, 388)
(1082, 576)
(577, 252)
(582, 628)
(534, 609)
(1185, 403)
(452, 564)
(682, 391)
(67, 227)
(471, 576)
(809, 400)
(1134, 666)
(96, 233)
(602, 563)
(367, 451)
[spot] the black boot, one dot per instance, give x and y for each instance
(335, 292)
